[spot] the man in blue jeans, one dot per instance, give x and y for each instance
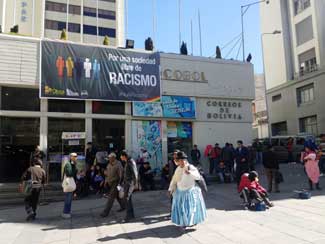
(69, 171)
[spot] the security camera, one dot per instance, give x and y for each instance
(267, 1)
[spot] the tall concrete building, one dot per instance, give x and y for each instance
(86, 21)
(295, 65)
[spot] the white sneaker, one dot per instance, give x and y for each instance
(66, 216)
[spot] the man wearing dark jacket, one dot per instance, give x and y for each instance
(129, 181)
(195, 155)
(271, 168)
(242, 162)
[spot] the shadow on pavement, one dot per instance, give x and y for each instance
(163, 232)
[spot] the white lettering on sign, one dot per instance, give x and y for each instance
(132, 79)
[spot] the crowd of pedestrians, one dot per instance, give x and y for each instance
(183, 176)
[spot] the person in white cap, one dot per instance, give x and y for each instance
(70, 171)
(114, 177)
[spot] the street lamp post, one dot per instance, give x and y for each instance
(276, 32)
(244, 9)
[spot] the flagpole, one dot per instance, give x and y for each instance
(199, 16)
(67, 20)
(154, 22)
(97, 21)
(15, 6)
(192, 36)
(179, 23)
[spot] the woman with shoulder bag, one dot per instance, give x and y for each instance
(33, 178)
(69, 184)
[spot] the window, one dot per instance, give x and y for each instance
(57, 7)
(74, 27)
(108, 107)
(21, 99)
(106, 14)
(92, 30)
(308, 125)
(276, 97)
(304, 31)
(112, 1)
(279, 129)
(305, 94)
(54, 25)
(106, 32)
(18, 138)
(307, 62)
(74, 9)
(90, 12)
(68, 106)
(301, 5)
(108, 134)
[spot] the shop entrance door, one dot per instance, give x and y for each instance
(18, 138)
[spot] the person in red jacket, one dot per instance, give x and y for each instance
(256, 191)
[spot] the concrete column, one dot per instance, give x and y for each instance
(164, 141)
(89, 122)
(128, 127)
(43, 125)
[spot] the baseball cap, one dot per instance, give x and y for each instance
(112, 155)
(73, 154)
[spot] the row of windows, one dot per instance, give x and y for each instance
(75, 9)
(87, 29)
(27, 99)
(305, 95)
(306, 125)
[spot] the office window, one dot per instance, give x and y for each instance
(20, 99)
(276, 97)
(100, 107)
(74, 9)
(304, 31)
(106, 32)
(106, 14)
(89, 29)
(307, 62)
(57, 7)
(301, 5)
(305, 94)
(74, 27)
(68, 106)
(279, 129)
(54, 25)
(308, 125)
(90, 12)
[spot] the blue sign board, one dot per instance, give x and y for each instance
(169, 107)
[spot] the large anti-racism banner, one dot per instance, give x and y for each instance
(74, 71)
(169, 107)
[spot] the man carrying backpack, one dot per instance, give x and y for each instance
(130, 179)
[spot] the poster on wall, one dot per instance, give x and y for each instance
(146, 135)
(179, 129)
(74, 71)
(169, 107)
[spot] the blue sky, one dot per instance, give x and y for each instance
(220, 22)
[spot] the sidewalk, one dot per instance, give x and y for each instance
(290, 221)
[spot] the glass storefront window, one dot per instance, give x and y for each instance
(108, 134)
(179, 135)
(20, 99)
(18, 138)
(100, 107)
(66, 106)
(55, 128)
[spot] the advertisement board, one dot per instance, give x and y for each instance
(75, 71)
(169, 107)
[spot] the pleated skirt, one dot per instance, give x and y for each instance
(188, 207)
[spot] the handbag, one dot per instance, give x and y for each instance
(68, 184)
(27, 186)
(120, 191)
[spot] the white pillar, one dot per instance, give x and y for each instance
(43, 126)
(89, 122)
(164, 141)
